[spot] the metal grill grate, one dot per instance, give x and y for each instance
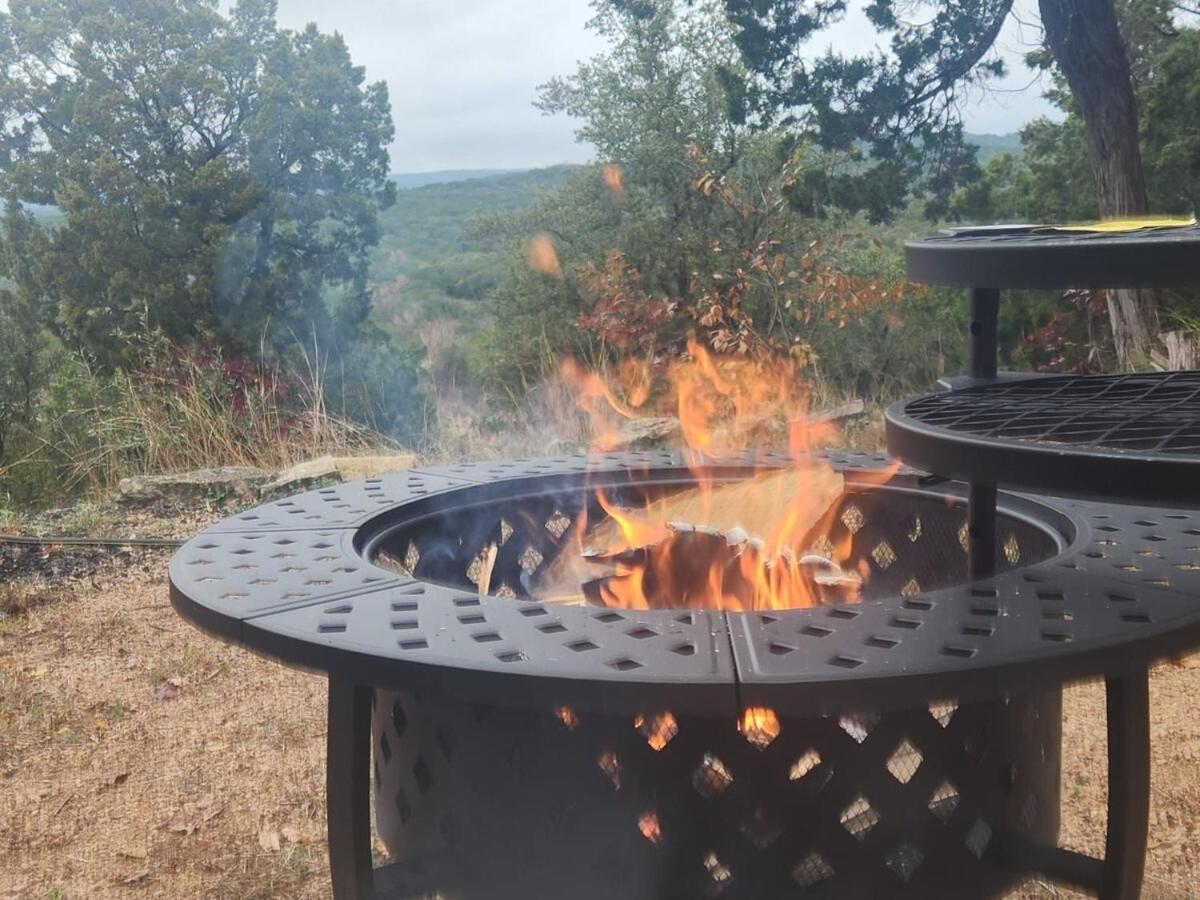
(1125, 438)
(1158, 413)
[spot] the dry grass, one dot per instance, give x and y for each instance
(546, 421)
(109, 791)
(189, 410)
(189, 423)
(19, 597)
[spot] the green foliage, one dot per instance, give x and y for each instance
(695, 223)
(1045, 183)
(1170, 114)
(893, 115)
(426, 267)
(215, 174)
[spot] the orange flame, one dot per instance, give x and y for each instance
(542, 255)
(769, 542)
(614, 180)
(760, 726)
(649, 826)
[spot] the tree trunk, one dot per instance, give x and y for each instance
(1086, 42)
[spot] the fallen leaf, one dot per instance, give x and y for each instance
(268, 839)
(166, 691)
(133, 852)
(189, 823)
(140, 875)
(292, 834)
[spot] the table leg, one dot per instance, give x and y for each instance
(348, 790)
(1128, 700)
(981, 531)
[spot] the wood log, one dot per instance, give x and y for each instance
(799, 497)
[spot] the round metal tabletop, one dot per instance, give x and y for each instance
(1132, 438)
(290, 579)
(1041, 257)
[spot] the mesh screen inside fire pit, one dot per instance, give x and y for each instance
(905, 542)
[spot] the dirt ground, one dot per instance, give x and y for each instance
(141, 758)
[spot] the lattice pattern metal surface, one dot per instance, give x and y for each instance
(1125, 590)
(496, 803)
(1149, 413)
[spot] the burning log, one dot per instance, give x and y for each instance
(707, 547)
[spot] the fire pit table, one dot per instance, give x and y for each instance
(906, 745)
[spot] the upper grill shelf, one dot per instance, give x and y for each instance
(1133, 438)
(1037, 257)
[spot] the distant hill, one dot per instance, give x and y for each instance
(994, 144)
(423, 268)
(406, 180)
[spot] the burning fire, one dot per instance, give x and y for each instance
(749, 544)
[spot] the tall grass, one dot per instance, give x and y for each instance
(189, 409)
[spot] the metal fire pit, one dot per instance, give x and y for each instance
(905, 746)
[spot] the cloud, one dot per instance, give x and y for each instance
(462, 74)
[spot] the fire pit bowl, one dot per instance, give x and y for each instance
(906, 745)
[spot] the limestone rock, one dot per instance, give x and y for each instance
(214, 485)
(333, 469)
(644, 434)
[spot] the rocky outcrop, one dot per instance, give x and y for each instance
(213, 485)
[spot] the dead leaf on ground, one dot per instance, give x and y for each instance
(292, 834)
(189, 823)
(268, 839)
(168, 690)
(132, 852)
(139, 875)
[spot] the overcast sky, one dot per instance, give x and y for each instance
(462, 73)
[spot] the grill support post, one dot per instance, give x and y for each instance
(983, 311)
(1128, 708)
(981, 531)
(348, 789)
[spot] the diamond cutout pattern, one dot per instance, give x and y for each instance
(904, 861)
(943, 711)
(859, 725)
(884, 555)
(944, 801)
(658, 730)
(805, 764)
(711, 777)
(859, 817)
(904, 762)
(978, 838)
(812, 870)
(1012, 549)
